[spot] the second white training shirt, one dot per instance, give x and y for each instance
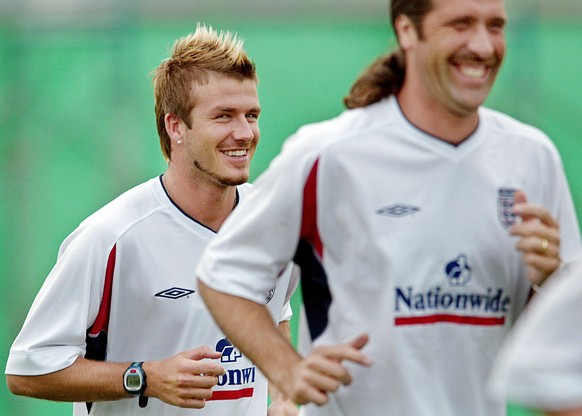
(404, 237)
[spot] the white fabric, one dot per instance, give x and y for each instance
(157, 248)
(540, 364)
(395, 208)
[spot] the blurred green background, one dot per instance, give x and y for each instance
(77, 121)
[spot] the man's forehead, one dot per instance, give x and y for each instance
(460, 7)
(226, 97)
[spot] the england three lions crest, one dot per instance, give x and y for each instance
(505, 201)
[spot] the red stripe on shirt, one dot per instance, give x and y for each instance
(231, 394)
(453, 319)
(102, 321)
(309, 230)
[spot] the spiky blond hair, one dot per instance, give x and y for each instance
(193, 58)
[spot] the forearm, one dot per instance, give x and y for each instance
(281, 405)
(251, 329)
(83, 381)
(285, 330)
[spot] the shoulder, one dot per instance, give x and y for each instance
(519, 138)
(349, 125)
(109, 223)
(507, 126)
(317, 140)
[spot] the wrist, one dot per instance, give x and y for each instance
(135, 382)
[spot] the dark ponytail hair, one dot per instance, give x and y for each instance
(382, 79)
(386, 75)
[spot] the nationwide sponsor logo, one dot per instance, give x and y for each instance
(452, 303)
(229, 353)
(174, 293)
(237, 377)
(505, 201)
(233, 377)
(398, 210)
(458, 271)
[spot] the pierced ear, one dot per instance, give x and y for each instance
(172, 123)
(405, 32)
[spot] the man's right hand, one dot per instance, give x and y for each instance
(322, 371)
(185, 379)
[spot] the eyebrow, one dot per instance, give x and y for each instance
(232, 109)
(499, 20)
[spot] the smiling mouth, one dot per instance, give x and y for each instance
(236, 153)
(473, 71)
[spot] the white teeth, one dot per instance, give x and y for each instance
(235, 153)
(473, 71)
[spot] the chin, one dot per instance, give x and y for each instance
(235, 180)
(468, 105)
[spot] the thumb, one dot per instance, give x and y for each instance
(519, 197)
(358, 344)
(360, 341)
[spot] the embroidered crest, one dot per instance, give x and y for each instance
(505, 201)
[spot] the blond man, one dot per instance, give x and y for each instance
(119, 327)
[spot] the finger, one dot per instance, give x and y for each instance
(207, 368)
(185, 382)
(540, 267)
(539, 245)
(201, 381)
(345, 352)
(305, 393)
(329, 369)
(542, 263)
(191, 402)
(535, 212)
(326, 383)
(191, 397)
(360, 342)
(519, 197)
(531, 211)
(201, 353)
(528, 211)
(310, 381)
(194, 393)
(536, 229)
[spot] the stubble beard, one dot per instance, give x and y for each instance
(220, 180)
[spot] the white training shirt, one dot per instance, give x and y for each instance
(540, 364)
(150, 248)
(404, 237)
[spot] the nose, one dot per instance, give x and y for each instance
(481, 42)
(245, 130)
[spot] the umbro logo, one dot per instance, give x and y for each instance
(398, 210)
(174, 293)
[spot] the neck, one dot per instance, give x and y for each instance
(208, 204)
(436, 120)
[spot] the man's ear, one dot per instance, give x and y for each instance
(173, 125)
(405, 32)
